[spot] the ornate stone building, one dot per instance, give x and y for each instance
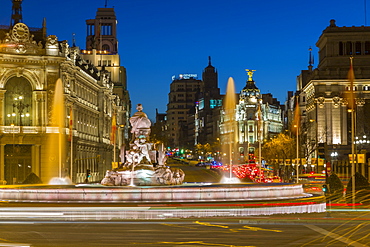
(30, 65)
(102, 52)
(257, 117)
(324, 94)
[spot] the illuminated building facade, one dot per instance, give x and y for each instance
(258, 117)
(192, 117)
(324, 93)
(30, 65)
(102, 52)
(184, 90)
(206, 115)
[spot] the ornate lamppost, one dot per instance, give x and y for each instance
(21, 107)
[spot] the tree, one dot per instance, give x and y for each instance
(32, 178)
(362, 189)
(280, 147)
(335, 187)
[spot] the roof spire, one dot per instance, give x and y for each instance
(73, 39)
(209, 60)
(16, 12)
(310, 59)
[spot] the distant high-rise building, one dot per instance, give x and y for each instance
(206, 124)
(184, 90)
(191, 112)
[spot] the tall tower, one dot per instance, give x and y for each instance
(16, 12)
(102, 52)
(102, 31)
(210, 80)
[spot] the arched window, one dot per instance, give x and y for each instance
(106, 47)
(18, 102)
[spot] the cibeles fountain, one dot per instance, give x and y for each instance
(139, 168)
(145, 178)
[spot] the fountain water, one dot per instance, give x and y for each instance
(55, 149)
(139, 168)
(229, 147)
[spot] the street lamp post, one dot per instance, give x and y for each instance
(20, 106)
(361, 144)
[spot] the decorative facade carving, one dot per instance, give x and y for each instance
(336, 101)
(320, 102)
(20, 41)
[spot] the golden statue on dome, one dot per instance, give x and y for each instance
(250, 74)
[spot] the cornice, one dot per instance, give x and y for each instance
(41, 60)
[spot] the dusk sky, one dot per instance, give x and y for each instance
(159, 39)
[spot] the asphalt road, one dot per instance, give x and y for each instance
(195, 174)
(186, 233)
(318, 229)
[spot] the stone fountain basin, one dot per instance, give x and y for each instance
(195, 192)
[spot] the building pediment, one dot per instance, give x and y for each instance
(20, 41)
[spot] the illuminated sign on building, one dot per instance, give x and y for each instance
(185, 76)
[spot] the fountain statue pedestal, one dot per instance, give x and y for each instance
(139, 168)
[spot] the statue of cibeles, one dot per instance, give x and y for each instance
(140, 123)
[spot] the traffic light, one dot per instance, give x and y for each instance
(325, 188)
(87, 175)
(321, 151)
(251, 156)
(241, 151)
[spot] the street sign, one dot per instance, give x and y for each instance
(321, 162)
(360, 158)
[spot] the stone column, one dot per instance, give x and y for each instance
(344, 129)
(35, 154)
(2, 162)
(368, 169)
(2, 106)
(39, 113)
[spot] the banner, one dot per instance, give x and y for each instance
(113, 130)
(70, 125)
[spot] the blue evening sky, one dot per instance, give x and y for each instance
(162, 38)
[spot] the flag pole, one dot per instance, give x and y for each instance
(297, 154)
(352, 105)
(71, 137)
(297, 118)
(260, 136)
(114, 135)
